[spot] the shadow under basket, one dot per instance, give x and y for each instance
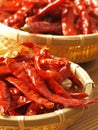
(78, 49)
(57, 120)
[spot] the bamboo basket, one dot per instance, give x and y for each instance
(57, 120)
(78, 49)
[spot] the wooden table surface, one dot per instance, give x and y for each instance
(89, 120)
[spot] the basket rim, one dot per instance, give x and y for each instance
(58, 115)
(20, 35)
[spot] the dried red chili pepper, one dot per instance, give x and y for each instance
(44, 27)
(50, 6)
(76, 81)
(14, 113)
(14, 91)
(39, 2)
(65, 70)
(27, 57)
(10, 6)
(38, 82)
(93, 25)
(53, 62)
(83, 16)
(93, 9)
(22, 100)
(55, 75)
(3, 15)
(94, 12)
(4, 70)
(5, 98)
(30, 93)
(79, 95)
(18, 70)
(33, 109)
(54, 86)
(17, 20)
(44, 10)
(68, 22)
(65, 101)
(18, 101)
(2, 59)
(35, 47)
(85, 22)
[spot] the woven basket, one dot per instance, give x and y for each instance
(57, 120)
(78, 49)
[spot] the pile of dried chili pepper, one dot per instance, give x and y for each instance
(31, 83)
(57, 17)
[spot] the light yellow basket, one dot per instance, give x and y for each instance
(57, 120)
(78, 49)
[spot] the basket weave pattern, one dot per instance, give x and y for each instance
(76, 53)
(77, 49)
(57, 126)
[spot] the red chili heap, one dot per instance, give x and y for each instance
(58, 17)
(31, 83)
